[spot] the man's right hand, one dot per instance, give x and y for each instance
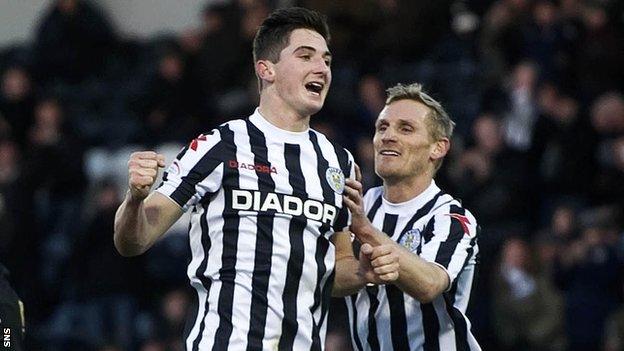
(142, 172)
(379, 264)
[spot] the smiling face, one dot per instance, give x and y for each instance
(404, 147)
(302, 75)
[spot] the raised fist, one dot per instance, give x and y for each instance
(143, 171)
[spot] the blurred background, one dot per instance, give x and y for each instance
(536, 88)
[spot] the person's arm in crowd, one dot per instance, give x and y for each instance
(419, 278)
(143, 218)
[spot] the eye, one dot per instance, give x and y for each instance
(328, 63)
(306, 57)
(382, 127)
(407, 129)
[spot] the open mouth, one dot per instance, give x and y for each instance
(315, 87)
(389, 153)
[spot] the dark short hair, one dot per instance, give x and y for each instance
(274, 32)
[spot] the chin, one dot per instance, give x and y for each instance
(384, 172)
(312, 108)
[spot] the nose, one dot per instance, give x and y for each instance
(322, 68)
(388, 136)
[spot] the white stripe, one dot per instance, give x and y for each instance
(281, 253)
(413, 314)
(384, 324)
(197, 254)
(215, 226)
(446, 335)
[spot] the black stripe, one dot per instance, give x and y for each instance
(356, 337)
(419, 214)
(389, 225)
(201, 273)
(373, 210)
(431, 327)
(199, 172)
(398, 320)
(345, 165)
(264, 245)
(372, 339)
(296, 258)
(456, 233)
(322, 243)
(231, 220)
(427, 233)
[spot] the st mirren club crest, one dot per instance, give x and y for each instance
(411, 240)
(336, 179)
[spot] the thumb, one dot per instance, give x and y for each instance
(366, 249)
(161, 160)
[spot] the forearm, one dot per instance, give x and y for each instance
(347, 281)
(130, 235)
(419, 278)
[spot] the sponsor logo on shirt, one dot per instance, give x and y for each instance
(259, 201)
(258, 167)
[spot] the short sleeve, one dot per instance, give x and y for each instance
(196, 171)
(449, 240)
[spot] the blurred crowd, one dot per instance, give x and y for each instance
(536, 88)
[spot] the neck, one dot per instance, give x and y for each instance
(405, 189)
(281, 115)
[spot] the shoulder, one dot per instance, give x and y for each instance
(371, 196)
(450, 210)
(344, 156)
(322, 138)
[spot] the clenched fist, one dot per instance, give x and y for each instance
(142, 172)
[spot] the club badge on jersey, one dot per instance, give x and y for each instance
(336, 179)
(411, 240)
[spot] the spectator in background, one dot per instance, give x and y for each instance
(544, 42)
(16, 103)
(588, 273)
(169, 98)
(527, 308)
(9, 172)
(609, 184)
(100, 287)
(220, 60)
(501, 38)
(521, 111)
(73, 42)
(599, 53)
(561, 152)
(614, 329)
(607, 116)
(53, 169)
(487, 175)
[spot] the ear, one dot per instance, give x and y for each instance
(265, 70)
(440, 148)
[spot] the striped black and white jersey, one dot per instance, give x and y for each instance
(264, 203)
(436, 227)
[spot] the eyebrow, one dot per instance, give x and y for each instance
(305, 47)
(399, 121)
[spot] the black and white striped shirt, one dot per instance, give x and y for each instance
(263, 202)
(437, 228)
